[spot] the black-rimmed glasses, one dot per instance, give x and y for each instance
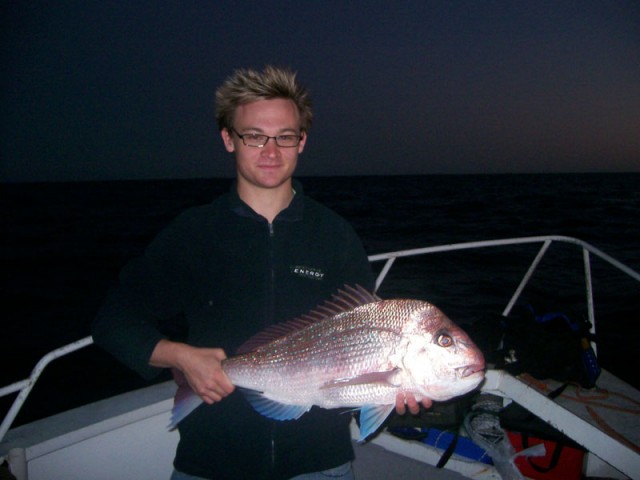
(259, 140)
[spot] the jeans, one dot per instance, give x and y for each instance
(342, 472)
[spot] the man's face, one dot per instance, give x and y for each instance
(270, 166)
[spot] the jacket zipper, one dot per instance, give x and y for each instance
(270, 320)
(271, 289)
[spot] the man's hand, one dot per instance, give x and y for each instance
(202, 368)
(406, 401)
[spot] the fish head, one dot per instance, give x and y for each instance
(440, 359)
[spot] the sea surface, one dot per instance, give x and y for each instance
(62, 246)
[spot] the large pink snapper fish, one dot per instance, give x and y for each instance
(355, 350)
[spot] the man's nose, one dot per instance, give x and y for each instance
(270, 147)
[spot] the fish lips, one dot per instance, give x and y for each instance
(469, 370)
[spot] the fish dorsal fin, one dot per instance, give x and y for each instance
(342, 301)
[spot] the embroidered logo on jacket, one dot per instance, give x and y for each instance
(307, 272)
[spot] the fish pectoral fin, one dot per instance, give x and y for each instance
(273, 409)
(385, 377)
(371, 417)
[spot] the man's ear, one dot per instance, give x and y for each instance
(303, 142)
(227, 140)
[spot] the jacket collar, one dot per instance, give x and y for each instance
(294, 212)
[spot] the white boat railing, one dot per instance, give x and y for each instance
(25, 386)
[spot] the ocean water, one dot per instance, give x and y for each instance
(64, 243)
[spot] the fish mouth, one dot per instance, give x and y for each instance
(469, 370)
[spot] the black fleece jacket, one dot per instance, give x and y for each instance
(215, 276)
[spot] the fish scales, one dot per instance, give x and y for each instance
(344, 346)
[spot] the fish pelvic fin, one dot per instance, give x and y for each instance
(342, 301)
(371, 418)
(384, 377)
(185, 400)
(273, 409)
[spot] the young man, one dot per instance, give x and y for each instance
(261, 254)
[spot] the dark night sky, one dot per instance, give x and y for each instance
(115, 90)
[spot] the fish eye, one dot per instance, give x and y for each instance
(444, 340)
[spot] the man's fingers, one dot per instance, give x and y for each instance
(211, 398)
(400, 406)
(412, 404)
(216, 389)
(427, 403)
(407, 401)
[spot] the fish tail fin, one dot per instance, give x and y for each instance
(185, 400)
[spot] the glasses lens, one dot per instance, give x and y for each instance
(254, 140)
(287, 140)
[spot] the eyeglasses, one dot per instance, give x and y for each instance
(259, 140)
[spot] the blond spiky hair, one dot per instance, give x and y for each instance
(246, 86)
